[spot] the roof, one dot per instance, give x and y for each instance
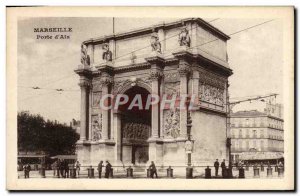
(150, 29)
(248, 113)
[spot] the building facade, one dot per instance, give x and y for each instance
(257, 135)
(182, 57)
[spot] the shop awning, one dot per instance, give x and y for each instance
(64, 157)
(261, 155)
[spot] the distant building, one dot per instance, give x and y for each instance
(75, 124)
(257, 136)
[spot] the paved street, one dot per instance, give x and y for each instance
(161, 174)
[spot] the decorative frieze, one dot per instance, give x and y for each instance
(211, 79)
(171, 123)
(211, 94)
(119, 84)
(134, 130)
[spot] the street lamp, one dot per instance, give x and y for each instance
(189, 143)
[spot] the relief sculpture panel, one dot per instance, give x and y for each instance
(171, 123)
(134, 130)
(96, 99)
(96, 127)
(211, 88)
(211, 94)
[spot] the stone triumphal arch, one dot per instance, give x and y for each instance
(181, 57)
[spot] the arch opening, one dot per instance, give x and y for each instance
(135, 128)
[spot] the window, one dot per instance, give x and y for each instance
(240, 133)
(261, 133)
(254, 134)
(247, 122)
(247, 145)
(232, 133)
(241, 145)
(262, 145)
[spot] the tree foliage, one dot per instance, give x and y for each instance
(36, 134)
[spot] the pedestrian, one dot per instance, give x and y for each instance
(223, 167)
(216, 165)
(58, 168)
(77, 165)
(280, 165)
(66, 169)
(54, 168)
(62, 168)
(27, 169)
(107, 169)
(100, 165)
(153, 170)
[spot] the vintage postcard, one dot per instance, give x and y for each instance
(150, 98)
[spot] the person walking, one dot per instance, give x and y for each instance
(216, 165)
(223, 167)
(153, 170)
(108, 168)
(100, 165)
(77, 165)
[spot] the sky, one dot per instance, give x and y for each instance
(255, 56)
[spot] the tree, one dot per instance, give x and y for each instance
(36, 134)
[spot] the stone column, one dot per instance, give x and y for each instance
(155, 75)
(117, 138)
(106, 82)
(84, 86)
(155, 143)
(184, 69)
(183, 72)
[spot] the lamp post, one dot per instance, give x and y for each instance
(189, 144)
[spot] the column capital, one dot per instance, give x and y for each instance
(184, 70)
(156, 74)
(84, 83)
(106, 80)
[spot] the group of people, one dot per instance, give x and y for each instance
(61, 168)
(108, 169)
(217, 165)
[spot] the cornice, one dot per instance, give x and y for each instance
(148, 30)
